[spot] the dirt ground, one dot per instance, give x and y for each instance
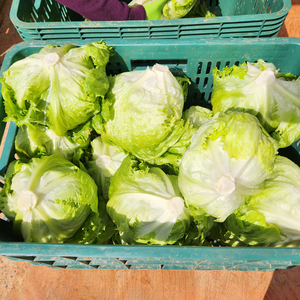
(8, 34)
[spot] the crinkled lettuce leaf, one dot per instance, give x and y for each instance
(38, 140)
(193, 117)
(199, 11)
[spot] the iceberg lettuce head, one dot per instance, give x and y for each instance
(146, 205)
(142, 112)
(271, 217)
(259, 89)
(228, 159)
(48, 199)
(58, 87)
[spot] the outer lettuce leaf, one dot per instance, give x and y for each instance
(220, 236)
(37, 140)
(88, 232)
(184, 82)
(199, 229)
(228, 159)
(142, 112)
(170, 160)
(146, 205)
(258, 88)
(194, 117)
(104, 162)
(109, 233)
(98, 228)
(271, 218)
(48, 198)
(58, 87)
(251, 228)
(197, 115)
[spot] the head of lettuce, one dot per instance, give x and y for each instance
(49, 199)
(227, 161)
(142, 112)
(146, 205)
(260, 89)
(271, 217)
(58, 87)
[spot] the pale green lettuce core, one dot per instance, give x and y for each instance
(58, 87)
(272, 217)
(48, 198)
(103, 164)
(142, 112)
(258, 88)
(146, 205)
(228, 159)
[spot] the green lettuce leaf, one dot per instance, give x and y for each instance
(37, 140)
(104, 161)
(200, 11)
(193, 117)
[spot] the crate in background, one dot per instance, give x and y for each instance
(49, 20)
(197, 59)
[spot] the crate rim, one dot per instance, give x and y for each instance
(287, 4)
(160, 42)
(21, 249)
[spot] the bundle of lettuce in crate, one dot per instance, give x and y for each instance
(119, 159)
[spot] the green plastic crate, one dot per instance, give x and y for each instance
(48, 20)
(196, 58)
